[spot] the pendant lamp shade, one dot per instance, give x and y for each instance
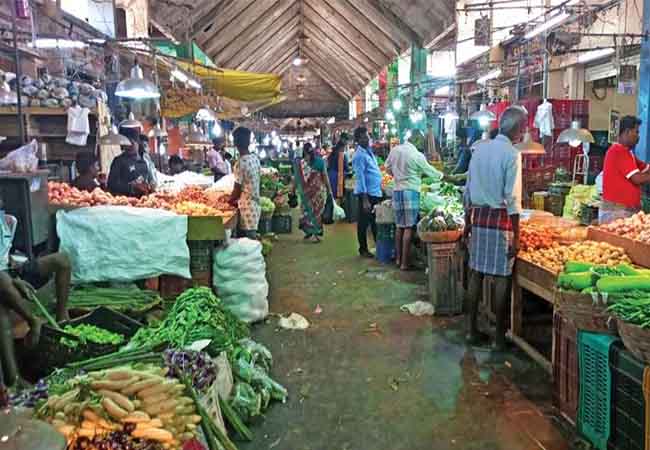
(530, 147)
(114, 138)
(130, 122)
(575, 136)
(136, 86)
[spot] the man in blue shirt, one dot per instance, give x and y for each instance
(367, 188)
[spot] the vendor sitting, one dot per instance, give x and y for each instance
(130, 174)
(88, 172)
(623, 174)
(17, 284)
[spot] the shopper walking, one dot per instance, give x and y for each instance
(492, 218)
(313, 187)
(337, 164)
(246, 193)
(367, 188)
(407, 166)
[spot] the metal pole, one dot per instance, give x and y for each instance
(19, 89)
(643, 109)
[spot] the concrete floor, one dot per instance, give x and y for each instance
(366, 376)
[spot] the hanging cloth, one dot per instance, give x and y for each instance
(544, 119)
(78, 126)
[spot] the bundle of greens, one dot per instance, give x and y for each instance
(196, 315)
(128, 298)
(441, 219)
(267, 205)
(634, 310)
(90, 333)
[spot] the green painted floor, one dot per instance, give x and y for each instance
(366, 376)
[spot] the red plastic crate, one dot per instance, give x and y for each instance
(566, 380)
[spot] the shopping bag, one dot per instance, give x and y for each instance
(339, 213)
(328, 212)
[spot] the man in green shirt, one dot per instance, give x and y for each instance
(407, 166)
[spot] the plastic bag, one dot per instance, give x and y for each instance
(240, 279)
(339, 213)
(224, 380)
(245, 401)
(21, 160)
(100, 250)
(257, 353)
(418, 308)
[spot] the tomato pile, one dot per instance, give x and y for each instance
(191, 201)
(534, 239)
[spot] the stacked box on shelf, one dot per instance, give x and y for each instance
(594, 407)
(628, 407)
(565, 367)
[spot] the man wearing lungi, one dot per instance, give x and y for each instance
(492, 209)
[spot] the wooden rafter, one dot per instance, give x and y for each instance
(341, 84)
(331, 58)
(259, 31)
(219, 19)
(385, 9)
(280, 56)
(343, 32)
(284, 36)
(369, 10)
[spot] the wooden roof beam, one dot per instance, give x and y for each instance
(248, 39)
(335, 58)
(372, 12)
(264, 44)
(388, 12)
(281, 53)
(284, 60)
(341, 50)
(345, 89)
(283, 35)
(365, 32)
(219, 17)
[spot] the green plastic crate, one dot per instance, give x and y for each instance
(594, 408)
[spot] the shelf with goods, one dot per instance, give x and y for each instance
(48, 126)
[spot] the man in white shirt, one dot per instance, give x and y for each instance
(17, 286)
(407, 165)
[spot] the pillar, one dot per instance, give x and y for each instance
(643, 108)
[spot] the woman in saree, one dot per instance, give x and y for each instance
(313, 187)
(337, 168)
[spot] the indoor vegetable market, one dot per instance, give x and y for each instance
(324, 224)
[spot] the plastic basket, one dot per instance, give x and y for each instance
(265, 225)
(445, 265)
(281, 224)
(386, 232)
(566, 384)
(385, 251)
(50, 353)
(595, 387)
(628, 411)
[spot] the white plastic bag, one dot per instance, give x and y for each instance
(21, 160)
(118, 243)
(339, 213)
(239, 277)
(418, 308)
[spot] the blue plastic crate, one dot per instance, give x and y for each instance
(594, 408)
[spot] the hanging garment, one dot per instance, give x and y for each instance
(544, 119)
(78, 126)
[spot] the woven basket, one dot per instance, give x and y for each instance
(440, 236)
(636, 339)
(580, 311)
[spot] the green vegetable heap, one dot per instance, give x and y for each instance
(196, 315)
(90, 333)
(267, 205)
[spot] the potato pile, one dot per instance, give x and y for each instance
(143, 403)
(554, 258)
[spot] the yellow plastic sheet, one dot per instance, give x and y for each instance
(235, 84)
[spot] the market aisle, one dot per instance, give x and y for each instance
(367, 376)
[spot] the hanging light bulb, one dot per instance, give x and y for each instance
(575, 136)
(217, 130)
(483, 116)
(390, 116)
(136, 87)
(397, 104)
(196, 137)
(206, 114)
(267, 140)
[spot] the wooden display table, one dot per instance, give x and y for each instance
(541, 283)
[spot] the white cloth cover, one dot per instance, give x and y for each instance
(120, 243)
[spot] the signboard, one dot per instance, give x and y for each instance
(614, 123)
(627, 80)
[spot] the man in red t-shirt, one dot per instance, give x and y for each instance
(623, 174)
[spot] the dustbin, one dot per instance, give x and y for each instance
(444, 278)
